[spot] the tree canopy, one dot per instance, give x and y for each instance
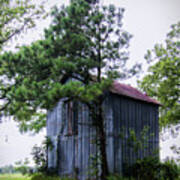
(163, 79)
(84, 39)
(15, 17)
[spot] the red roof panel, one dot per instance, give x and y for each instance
(129, 91)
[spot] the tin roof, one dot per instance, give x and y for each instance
(129, 91)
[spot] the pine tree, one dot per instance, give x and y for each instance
(86, 44)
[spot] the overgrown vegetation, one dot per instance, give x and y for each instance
(151, 168)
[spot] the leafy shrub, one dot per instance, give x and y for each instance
(151, 168)
(40, 158)
(171, 170)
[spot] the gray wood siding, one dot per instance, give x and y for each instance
(132, 115)
(73, 151)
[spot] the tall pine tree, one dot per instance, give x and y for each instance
(85, 43)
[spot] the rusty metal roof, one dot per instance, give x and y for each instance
(129, 91)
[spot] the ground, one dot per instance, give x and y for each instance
(13, 177)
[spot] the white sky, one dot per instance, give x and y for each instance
(148, 21)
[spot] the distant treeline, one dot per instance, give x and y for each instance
(8, 169)
(23, 169)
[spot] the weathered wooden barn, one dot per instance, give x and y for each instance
(127, 111)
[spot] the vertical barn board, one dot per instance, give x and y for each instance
(143, 126)
(131, 128)
(51, 132)
(127, 131)
(129, 111)
(156, 128)
(48, 126)
(66, 156)
(139, 126)
(84, 148)
(59, 117)
(80, 141)
(133, 121)
(86, 141)
(152, 130)
(109, 126)
(117, 139)
(115, 134)
(145, 119)
(61, 156)
(92, 149)
(125, 154)
(89, 143)
(148, 130)
(70, 155)
(123, 132)
(53, 152)
(112, 137)
(55, 121)
(76, 154)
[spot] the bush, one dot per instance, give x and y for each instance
(40, 158)
(171, 170)
(151, 168)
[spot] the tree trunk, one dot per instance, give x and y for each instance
(102, 143)
(96, 113)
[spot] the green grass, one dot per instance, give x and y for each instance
(13, 177)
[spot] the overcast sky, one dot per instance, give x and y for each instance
(148, 21)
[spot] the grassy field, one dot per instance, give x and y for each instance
(13, 177)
